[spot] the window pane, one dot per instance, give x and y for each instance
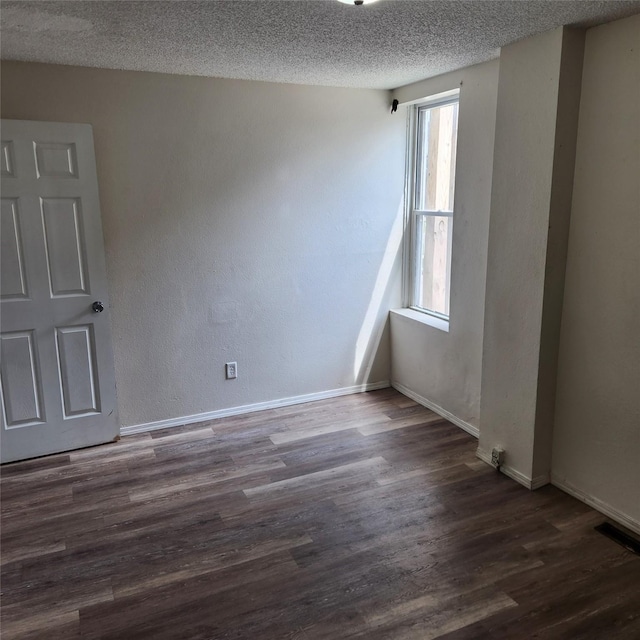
(433, 251)
(436, 161)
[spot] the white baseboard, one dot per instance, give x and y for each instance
(250, 408)
(514, 474)
(540, 481)
(598, 505)
(469, 428)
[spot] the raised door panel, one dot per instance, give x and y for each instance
(77, 368)
(56, 159)
(20, 380)
(65, 246)
(13, 280)
(7, 159)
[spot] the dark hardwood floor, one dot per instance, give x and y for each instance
(366, 516)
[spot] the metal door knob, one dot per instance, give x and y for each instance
(97, 306)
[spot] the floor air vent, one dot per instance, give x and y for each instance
(622, 538)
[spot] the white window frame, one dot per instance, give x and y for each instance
(411, 248)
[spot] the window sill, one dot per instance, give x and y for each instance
(423, 318)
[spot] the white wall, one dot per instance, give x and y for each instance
(445, 368)
(538, 101)
(243, 221)
(596, 443)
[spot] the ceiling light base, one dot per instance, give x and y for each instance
(357, 3)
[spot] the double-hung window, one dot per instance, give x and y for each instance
(431, 189)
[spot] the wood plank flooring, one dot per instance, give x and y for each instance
(366, 516)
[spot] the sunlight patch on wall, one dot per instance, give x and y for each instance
(367, 343)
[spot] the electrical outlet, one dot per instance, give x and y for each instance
(497, 457)
(231, 370)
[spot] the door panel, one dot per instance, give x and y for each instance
(21, 384)
(77, 370)
(57, 380)
(6, 159)
(64, 246)
(13, 278)
(56, 160)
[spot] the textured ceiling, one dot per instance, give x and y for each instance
(382, 45)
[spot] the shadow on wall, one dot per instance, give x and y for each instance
(369, 342)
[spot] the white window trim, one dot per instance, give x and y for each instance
(440, 321)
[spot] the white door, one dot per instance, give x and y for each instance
(56, 362)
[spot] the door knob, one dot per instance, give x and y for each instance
(97, 306)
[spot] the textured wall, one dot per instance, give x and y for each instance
(243, 221)
(597, 428)
(445, 368)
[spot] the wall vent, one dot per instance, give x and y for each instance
(617, 535)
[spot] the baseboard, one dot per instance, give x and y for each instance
(514, 474)
(251, 408)
(598, 505)
(540, 481)
(405, 391)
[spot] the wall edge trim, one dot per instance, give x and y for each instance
(465, 426)
(251, 408)
(530, 483)
(597, 504)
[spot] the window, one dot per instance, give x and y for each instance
(431, 188)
